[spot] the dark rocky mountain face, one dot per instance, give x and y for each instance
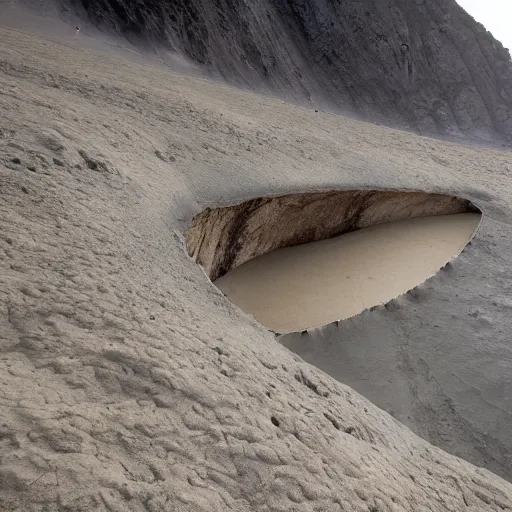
(424, 65)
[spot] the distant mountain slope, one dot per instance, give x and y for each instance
(414, 64)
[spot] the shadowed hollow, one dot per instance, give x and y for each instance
(307, 259)
(313, 284)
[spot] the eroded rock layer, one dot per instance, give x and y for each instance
(223, 238)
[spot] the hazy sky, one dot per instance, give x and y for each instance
(495, 15)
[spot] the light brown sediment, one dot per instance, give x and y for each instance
(313, 284)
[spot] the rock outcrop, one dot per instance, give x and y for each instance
(221, 239)
(420, 65)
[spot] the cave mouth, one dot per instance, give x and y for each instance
(305, 260)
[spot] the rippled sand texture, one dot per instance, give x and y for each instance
(314, 284)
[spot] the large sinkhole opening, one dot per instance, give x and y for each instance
(305, 260)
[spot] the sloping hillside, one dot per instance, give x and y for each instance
(129, 383)
(424, 65)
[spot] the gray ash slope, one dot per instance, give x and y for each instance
(416, 65)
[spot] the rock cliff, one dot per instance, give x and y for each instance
(224, 238)
(425, 66)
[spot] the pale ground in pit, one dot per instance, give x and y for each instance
(313, 284)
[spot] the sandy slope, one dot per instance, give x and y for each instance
(127, 381)
(318, 283)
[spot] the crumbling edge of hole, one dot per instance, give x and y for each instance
(473, 207)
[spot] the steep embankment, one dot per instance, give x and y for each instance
(425, 66)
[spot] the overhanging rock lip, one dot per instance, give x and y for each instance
(217, 237)
(224, 229)
(227, 203)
